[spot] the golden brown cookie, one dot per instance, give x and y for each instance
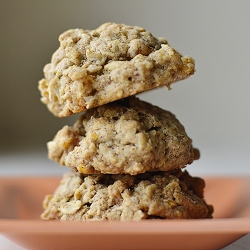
(127, 136)
(114, 61)
(160, 195)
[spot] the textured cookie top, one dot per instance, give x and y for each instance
(126, 136)
(159, 195)
(91, 68)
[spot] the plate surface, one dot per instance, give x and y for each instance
(21, 206)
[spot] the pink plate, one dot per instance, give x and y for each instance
(21, 206)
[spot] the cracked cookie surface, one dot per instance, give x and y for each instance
(161, 195)
(127, 136)
(114, 61)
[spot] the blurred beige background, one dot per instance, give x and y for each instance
(213, 104)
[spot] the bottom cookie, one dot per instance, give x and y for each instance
(158, 195)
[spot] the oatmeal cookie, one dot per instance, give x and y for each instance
(128, 136)
(114, 61)
(159, 195)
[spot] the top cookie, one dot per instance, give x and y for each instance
(92, 68)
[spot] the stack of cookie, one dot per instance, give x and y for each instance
(126, 155)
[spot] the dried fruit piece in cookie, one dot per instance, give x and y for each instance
(127, 136)
(159, 195)
(92, 68)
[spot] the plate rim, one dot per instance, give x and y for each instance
(199, 226)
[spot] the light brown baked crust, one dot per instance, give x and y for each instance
(160, 195)
(92, 68)
(127, 136)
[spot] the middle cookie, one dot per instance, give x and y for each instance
(128, 136)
